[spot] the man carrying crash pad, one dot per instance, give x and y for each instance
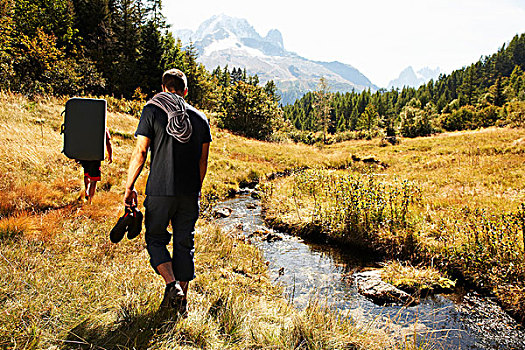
(178, 137)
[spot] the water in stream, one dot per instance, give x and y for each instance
(309, 271)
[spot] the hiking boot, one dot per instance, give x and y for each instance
(173, 297)
(136, 225)
(120, 228)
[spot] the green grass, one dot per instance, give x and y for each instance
(343, 205)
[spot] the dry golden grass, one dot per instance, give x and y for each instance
(469, 215)
(77, 290)
(483, 167)
(480, 169)
(414, 279)
(64, 285)
(15, 226)
(234, 159)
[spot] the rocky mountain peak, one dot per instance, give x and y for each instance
(227, 41)
(408, 73)
(275, 37)
(408, 77)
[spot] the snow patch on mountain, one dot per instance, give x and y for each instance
(223, 40)
(233, 45)
(237, 26)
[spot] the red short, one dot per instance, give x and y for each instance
(91, 169)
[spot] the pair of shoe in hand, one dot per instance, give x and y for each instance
(130, 222)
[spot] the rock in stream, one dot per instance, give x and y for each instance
(370, 284)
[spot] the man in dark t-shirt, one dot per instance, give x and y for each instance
(178, 137)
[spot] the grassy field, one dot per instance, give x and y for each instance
(64, 285)
(455, 200)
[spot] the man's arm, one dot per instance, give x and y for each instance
(203, 162)
(108, 147)
(138, 158)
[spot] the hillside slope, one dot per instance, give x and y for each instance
(64, 285)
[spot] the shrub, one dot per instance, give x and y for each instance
(492, 245)
(306, 137)
(249, 111)
(122, 105)
(461, 119)
(354, 206)
(488, 116)
(416, 122)
(513, 113)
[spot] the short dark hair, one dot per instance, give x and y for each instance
(174, 80)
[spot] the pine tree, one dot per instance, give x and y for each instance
(503, 63)
(518, 53)
(497, 92)
(150, 60)
(253, 80)
(271, 90)
(126, 26)
(388, 119)
(322, 106)
(236, 75)
(153, 11)
(249, 111)
(517, 80)
(93, 21)
(369, 119)
(226, 77)
(469, 85)
(173, 54)
(196, 75)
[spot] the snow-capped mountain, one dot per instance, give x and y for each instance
(414, 79)
(223, 40)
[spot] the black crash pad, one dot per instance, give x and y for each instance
(84, 128)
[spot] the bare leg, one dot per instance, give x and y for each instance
(183, 309)
(184, 285)
(91, 190)
(175, 292)
(166, 271)
(86, 187)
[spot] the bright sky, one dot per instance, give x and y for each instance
(378, 37)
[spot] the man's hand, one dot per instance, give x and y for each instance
(130, 198)
(109, 148)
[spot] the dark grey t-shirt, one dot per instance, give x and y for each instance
(174, 168)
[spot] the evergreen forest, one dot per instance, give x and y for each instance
(486, 93)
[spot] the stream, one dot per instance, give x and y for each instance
(307, 271)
